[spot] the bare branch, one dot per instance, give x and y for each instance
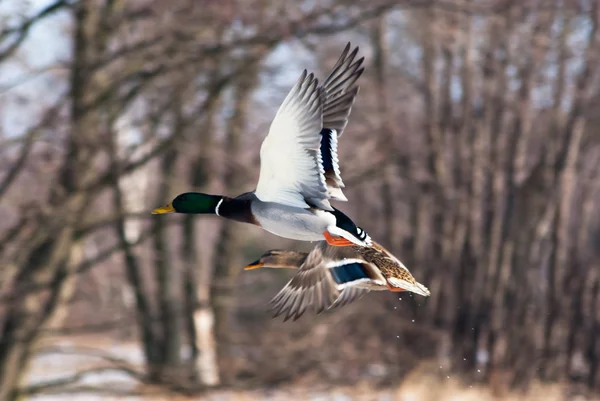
(22, 31)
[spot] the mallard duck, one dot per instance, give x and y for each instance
(330, 277)
(299, 170)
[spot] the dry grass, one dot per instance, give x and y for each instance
(416, 387)
(425, 382)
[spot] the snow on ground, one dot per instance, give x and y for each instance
(66, 357)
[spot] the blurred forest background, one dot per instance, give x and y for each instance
(472, 153)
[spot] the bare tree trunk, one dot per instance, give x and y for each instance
(582, 341)
(385, 130)
(24, 321)
(463, 156)
(481, 161)
(70, 284)
(144, 313)
(46, 261)
(426, 249)
(199, 315)
(566, 171)
(509, 239)
(226, 261)
(167, 276)
(446, 216)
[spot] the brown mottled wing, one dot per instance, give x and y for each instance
(349, 294)
(311, 285)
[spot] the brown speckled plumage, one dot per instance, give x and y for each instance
(388, 265)
(320, 284)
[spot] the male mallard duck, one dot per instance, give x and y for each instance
(330, 276)
(299, 170)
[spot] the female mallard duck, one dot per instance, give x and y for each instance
(330, 276)
(299, 170)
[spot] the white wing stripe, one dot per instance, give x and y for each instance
(343, 262)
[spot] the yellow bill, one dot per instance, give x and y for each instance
(165, 209)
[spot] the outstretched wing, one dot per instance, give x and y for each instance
(324, 282)
(291, 168)
(340, 90)
(340, 93)
(311, 285)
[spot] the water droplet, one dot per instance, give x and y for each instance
(440, 366)
(448, 377)
(400, 299)
(464, 359)
(478, 370)
(413, 320)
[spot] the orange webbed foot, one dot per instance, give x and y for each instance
(336, 241)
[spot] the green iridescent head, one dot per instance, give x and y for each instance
(191, 202)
